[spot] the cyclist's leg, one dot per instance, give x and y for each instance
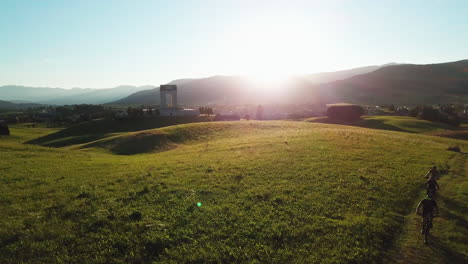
(431, 216)
(422, 224)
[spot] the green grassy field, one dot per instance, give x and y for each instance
(395, 123)
(101, 128)
(270, 192)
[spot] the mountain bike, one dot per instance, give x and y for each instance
(431, 192)
(426, 226)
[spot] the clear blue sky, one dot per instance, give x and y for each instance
(100, 44)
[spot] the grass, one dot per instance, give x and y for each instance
(395, 123)
(271, 192)
(462, 134)
(101, 128)
(155, 140)
(448, 240)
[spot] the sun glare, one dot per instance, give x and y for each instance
(269, 54)
(268, 80)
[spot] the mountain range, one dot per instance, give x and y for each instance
(406, 84)
(59, 96)
(403, 84)
(239, 90)
(192, 91)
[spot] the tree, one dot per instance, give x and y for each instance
(414, 112)
(345, 112)
(4, 130)
(429, 113)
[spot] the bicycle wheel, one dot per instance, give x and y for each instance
(426, 227)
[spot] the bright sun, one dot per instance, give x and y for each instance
(268, 80)
(269, 54)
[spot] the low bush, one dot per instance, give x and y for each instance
(345, 112)
(454, 148)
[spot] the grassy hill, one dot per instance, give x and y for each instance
(395, 123)
(102, 128)
(244, 192)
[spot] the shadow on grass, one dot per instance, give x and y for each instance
(442, 249)
(143, 142)
(379, 124)
(67, 141)
(366, 123)
(454, 206)
(441, 246)
(100, 128)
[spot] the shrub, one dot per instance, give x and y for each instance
(454, 148)
(4, 130)
(444, 114)
(135, 216)
(345, 112)
(429, 113)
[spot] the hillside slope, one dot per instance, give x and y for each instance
(14, 106)
(405, 84)
(238, 90)
(325, 77)
(393, 83)
(215, 89)
(101, 128)
(237, 192)
(395, 123)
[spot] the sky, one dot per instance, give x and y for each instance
(106, 43)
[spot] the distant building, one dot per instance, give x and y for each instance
(179, 112)
(168, 102)
(168, 96)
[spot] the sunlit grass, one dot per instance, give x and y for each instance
(271, 192)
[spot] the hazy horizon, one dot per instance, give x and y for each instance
(90, 44)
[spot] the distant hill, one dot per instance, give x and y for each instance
(404, 84)
(59, 96)
(407, 84)
(227, 90)
(5, 105)
(216, 89)
(325, 77)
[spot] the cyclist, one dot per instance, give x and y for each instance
(433, 173)
(431, 186)
(428, 205)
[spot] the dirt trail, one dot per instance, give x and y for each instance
(448, 242)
